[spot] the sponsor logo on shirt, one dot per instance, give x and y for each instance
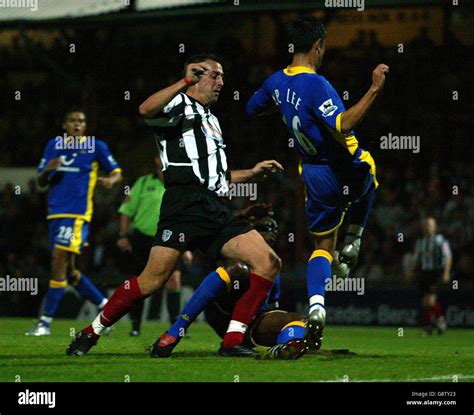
(327, 108)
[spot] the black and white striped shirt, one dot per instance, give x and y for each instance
(431, 253)
(191, 146)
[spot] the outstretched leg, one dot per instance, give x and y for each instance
(161, 263)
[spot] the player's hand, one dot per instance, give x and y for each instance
(194, 71)
(124, 244)
(378, 77)
(53, 164)
(257, 210)
(263, 169)
(106, 182)
(446, 277)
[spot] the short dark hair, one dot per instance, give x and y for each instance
(71, 111)
(200, 57)
(304, 32)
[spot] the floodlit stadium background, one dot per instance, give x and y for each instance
(107, 57)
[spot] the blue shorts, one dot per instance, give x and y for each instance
(327, 201)
(69, 234)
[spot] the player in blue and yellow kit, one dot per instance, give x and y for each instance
(339, 176)
(70, 167)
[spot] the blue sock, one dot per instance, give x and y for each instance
(293, 330)
(52, 299)
(89, 291)
(212, 286)
(317, 273)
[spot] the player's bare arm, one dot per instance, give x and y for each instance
(355, 114)
(42, 178)
(156, 102)
(110, 180)
(260, 171)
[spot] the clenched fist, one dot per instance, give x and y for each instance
(378, 77)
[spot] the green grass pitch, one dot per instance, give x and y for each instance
(380, 355)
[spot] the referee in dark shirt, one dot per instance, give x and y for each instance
(432, 261)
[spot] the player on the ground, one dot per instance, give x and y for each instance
(335, 170)
(70, 167)
(220, 291)
(193, 213)
(432, 261)
(139, 215)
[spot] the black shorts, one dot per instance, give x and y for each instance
(192, 217)
(428, 281)
(134, 262)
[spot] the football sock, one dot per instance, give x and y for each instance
(52, 299)
(245, 309)
(437, 310)
(89, 291)
(212, 286)
(173, 299)
(293, 330)
(119, 304)
(427, 316)
(317, 273)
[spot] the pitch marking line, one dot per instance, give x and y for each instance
(433, 378)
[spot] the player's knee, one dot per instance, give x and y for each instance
(271, 264)
(236, 269)
(276, 262)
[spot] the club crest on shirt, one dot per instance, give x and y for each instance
(327, 108)
(166, 235)
(210, 131)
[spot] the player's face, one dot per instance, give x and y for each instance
(268, 228)
(210, 84)
(75, 124)
(429, 226)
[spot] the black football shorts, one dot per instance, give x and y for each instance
(192, 217)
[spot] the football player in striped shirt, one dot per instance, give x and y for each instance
(70, 167)
(432, 261)
(193, 214)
